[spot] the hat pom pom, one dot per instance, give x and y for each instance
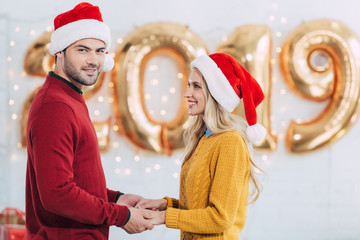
(108, 63)
(255, 133)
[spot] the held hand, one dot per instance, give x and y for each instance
(129, 200)
(140, 220)
(158, 217)
(153, 204)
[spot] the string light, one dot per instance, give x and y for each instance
(271, 18)
(274, 5)
(96, 112)
(16, 87)
(137, 158)
(282, 91)
(147, 96)
(13, 157)
(11, 102)
(118, 159)
(148, 170)
(177, 161)
(278, 34)
(162, 112)
(100, 99)
(116, 144)
(283, 20)
(14, 116)
(154, 82)
(117, 170)
(153, 67)
(32, 32)
(48, 28)
(111, 84)
(164, 98)
(119, 41)
(127, 171)
(175, 175)
(157, 166)
(172, 90)
(297, 137)
(12, 43)
(115, 128)
(9, 59)
(110, 99)
(278, 49)
(11, 73)
(17, 29)
(180, 75)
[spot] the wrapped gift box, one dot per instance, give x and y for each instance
(12, 232)
(12, 216)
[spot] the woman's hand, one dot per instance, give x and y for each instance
(158, 217)
(129, 200)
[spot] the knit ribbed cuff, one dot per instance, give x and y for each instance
(172, 217)
(171, 202)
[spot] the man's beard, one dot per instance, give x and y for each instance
(75, 74)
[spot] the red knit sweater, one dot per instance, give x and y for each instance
(66, 194)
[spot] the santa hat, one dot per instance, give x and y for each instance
(228, 82)
(84, 21)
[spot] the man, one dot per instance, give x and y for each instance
(66, 194)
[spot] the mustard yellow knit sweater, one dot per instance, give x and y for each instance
(214, 188)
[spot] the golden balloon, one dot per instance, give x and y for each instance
(250, 45)
(25, 114)
(132, 55)
(38, 61)
(102, 130)
(320, 60)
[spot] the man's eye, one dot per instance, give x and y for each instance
(196, 86)
(82, 50)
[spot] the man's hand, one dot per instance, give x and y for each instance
(140, 220)
(129, 200)
(153, 204)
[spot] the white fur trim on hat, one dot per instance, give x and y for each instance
(108, 63)
(66, 35)
(255, 133)
(218, 84)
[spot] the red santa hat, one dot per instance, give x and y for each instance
(228, 82)
(84, 21)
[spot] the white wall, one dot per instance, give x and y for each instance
(310, 196)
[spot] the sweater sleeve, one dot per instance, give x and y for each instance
(53, 139)
(112, 195)
(172, 202)
(231, 170)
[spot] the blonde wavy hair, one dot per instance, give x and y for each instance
(219, 121)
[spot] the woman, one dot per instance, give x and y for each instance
(217, 168)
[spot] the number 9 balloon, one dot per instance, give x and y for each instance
(321, 60)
